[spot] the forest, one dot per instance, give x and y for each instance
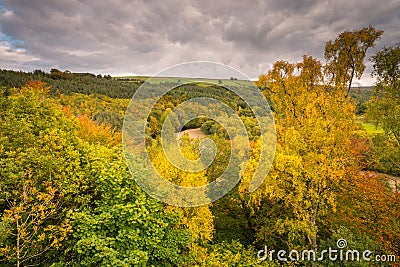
(68, 198)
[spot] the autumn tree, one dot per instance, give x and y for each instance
(345, 56)
(121, 225)
(315, 125)
(199, 220)
(37, 152)
(314, 129)
(67, 198)
(26, 222)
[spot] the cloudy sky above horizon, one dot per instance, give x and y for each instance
(125, 37)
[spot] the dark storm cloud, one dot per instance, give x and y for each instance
(143, 37)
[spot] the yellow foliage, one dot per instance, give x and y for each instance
(27, 214)
(315, 124)
(197, 219)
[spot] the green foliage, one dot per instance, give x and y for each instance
(384, 108)
(354, 242)
(233, 219)
(69, 202)
(68, 83)
(233, 253)
(189, 91)
(38, 153)
(385, 154)
(123, 226)
(361, 95)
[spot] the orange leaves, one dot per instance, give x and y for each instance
(37, 87)
(94, 133)
(368, 204)
(5, 250)
(67, 111)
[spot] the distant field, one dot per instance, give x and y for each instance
(203, 81)
(372, 129)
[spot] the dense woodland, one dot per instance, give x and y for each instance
(67, 197)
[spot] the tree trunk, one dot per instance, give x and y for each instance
(312, 239)
(18, 251)
(351, 81)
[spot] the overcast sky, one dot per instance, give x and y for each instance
(120, 37)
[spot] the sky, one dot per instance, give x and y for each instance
(128, 37)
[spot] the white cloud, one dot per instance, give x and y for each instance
(14, 58)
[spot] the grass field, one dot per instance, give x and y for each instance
(372, 129)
